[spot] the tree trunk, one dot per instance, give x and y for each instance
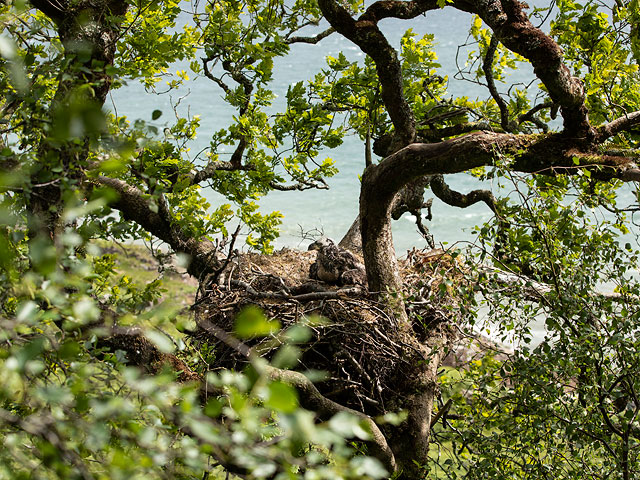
(352, 240)
(89, 32)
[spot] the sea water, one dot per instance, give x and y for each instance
(332, 211)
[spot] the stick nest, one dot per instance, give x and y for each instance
(367, 355)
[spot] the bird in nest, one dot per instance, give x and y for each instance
(336, 265)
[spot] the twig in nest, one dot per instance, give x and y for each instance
(304, 297)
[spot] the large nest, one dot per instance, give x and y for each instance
(368, 356)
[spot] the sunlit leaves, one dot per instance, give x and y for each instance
(559, 403)
(252, 323)
(598, 41)
(150, 46)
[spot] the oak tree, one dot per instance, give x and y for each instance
(95, 386)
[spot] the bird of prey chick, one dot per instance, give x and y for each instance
(336, 265)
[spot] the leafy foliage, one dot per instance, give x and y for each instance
(98, 380)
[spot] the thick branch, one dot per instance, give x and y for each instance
(621, 124)
(300, 186)
(144, 354)
(135, 206)
(549, 154)
(397, 9)
(210, 170)
(366, 34)
(512, 27)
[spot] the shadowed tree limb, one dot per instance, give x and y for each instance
(461, 200)
(136, 206)
(487, 67)
(530, 116)
(621, 124)
(311, 40)
(212, 168)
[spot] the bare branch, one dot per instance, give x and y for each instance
(397, 9)
(210, 76)
(457, 199)
(530, 116)
(487, 67)
(312, 40)
(212, 167)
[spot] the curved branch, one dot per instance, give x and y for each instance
(210, 170)
(530, 116)
(512, 27)
(136, 206)
(311, 40)
(487, 67)
(550, 154)
(397, 9)
(143, 353)
(457, 199)
(366, 34)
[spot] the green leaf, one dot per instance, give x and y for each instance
(282, 397)
(348, 425)
(251, 322)
(160, 340)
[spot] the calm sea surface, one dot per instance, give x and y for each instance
(333, 211)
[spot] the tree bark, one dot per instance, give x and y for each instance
(89, 31)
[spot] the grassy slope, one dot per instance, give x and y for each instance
(137, 262)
